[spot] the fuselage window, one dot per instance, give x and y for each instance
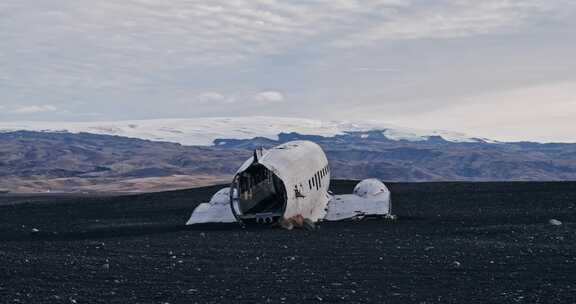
(310, 184)
(314, 181)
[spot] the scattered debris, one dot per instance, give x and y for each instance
(391, 217)
(555, 222)
(309, 225)
(288, 225)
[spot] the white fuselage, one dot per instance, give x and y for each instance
(287, 182)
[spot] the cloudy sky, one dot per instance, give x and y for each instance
(503, 69)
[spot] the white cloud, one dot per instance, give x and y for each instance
(215, 97)
(34, 109)
(142, 34)
(90, 45)
(542, 112)
(152, 58)
(269, 97)
(456, 19)
(210, 97)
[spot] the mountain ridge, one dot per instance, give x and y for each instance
(33, 161)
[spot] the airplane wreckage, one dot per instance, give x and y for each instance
(288, 185)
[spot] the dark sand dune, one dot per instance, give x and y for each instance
(452, 243)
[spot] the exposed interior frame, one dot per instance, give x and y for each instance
(258, 195)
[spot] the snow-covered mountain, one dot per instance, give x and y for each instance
(203, 131)
(69, 161)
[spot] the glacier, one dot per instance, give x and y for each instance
(203, 131)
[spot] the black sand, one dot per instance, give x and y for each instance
(452, 243)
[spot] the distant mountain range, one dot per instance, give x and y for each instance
(40, 159)
(44, 161)
(372, 154)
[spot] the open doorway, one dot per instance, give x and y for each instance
(260, 193)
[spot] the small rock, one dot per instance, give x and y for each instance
(555, 222)
(456, 264)
(309, 225)
(286, 225)
(34, 230)
(191, 291)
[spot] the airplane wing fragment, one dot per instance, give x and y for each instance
(371, 197)
(216, 211)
